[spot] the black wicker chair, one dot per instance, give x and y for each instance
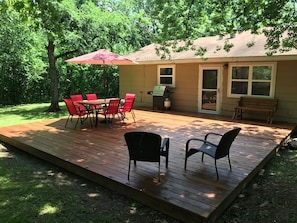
(216, 151)
(146, 146)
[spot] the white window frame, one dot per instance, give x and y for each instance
(172, 76)
(250, 80)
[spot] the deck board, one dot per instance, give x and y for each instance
(99, 154)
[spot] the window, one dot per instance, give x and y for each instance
(166, 75)
(251, 80)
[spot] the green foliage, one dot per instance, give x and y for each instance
(185, 19)
(47, 16)
(51, 32)
(21, 64)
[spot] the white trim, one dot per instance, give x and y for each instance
(219, 68)
(251, 64)
(173, 74)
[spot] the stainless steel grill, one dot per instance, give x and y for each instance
(161, 97)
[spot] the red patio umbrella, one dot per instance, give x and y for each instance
(101, 57)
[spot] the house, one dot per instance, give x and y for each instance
(215, 85)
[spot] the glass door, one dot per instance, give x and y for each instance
(209, 98)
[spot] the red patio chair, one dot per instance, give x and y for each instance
(75, 99)
(110, 111)
(127, 107)
(82, 114)
(91, 97)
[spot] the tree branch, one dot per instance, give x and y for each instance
(66, 53)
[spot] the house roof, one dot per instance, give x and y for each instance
(239, 52)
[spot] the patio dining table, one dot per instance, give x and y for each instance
(93, 103)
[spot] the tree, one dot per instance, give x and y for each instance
(50, 19)
(80, 26)
(185, 20)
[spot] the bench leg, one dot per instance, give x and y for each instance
(234, 114)
(237, 113)
(269, 120)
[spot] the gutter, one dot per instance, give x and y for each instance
(221, 59)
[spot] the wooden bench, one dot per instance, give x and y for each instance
(258, 105)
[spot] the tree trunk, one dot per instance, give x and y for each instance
(54, 107)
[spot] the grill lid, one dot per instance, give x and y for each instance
(159, 90)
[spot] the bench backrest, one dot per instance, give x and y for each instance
(265, 103)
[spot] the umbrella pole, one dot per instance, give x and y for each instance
(104, 81)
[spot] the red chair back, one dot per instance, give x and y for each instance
(79, 107)
(91, 97)
(113, 106)
(129, 101)
(76, 97)
(70, 107)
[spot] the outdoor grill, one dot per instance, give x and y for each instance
(161, 97)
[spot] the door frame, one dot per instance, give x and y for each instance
(219, 68)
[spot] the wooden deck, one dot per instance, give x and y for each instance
(99, 154)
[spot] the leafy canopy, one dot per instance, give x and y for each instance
(185, 20)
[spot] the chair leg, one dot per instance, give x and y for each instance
(186, 156)
(67, 120)
(90, 117)
(159, 178)
(76, 123)
(133, 115)
(119, 116)
(229, 162)
(83, 119)
(186, 159)
(108, 121)
(129, 170)
(216, 169)
(202, 157)
(123, 116)
(167, 159)
(189, 153)
(165, 150)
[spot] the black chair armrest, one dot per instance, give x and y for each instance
(192, 151)
(211, 133)
(193, 139)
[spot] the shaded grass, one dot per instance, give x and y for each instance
(271, 196)
(32, 190)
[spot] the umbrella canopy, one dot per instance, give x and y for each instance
(101, 57)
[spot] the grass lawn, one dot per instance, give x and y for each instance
(32, 190)
(20, 114)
